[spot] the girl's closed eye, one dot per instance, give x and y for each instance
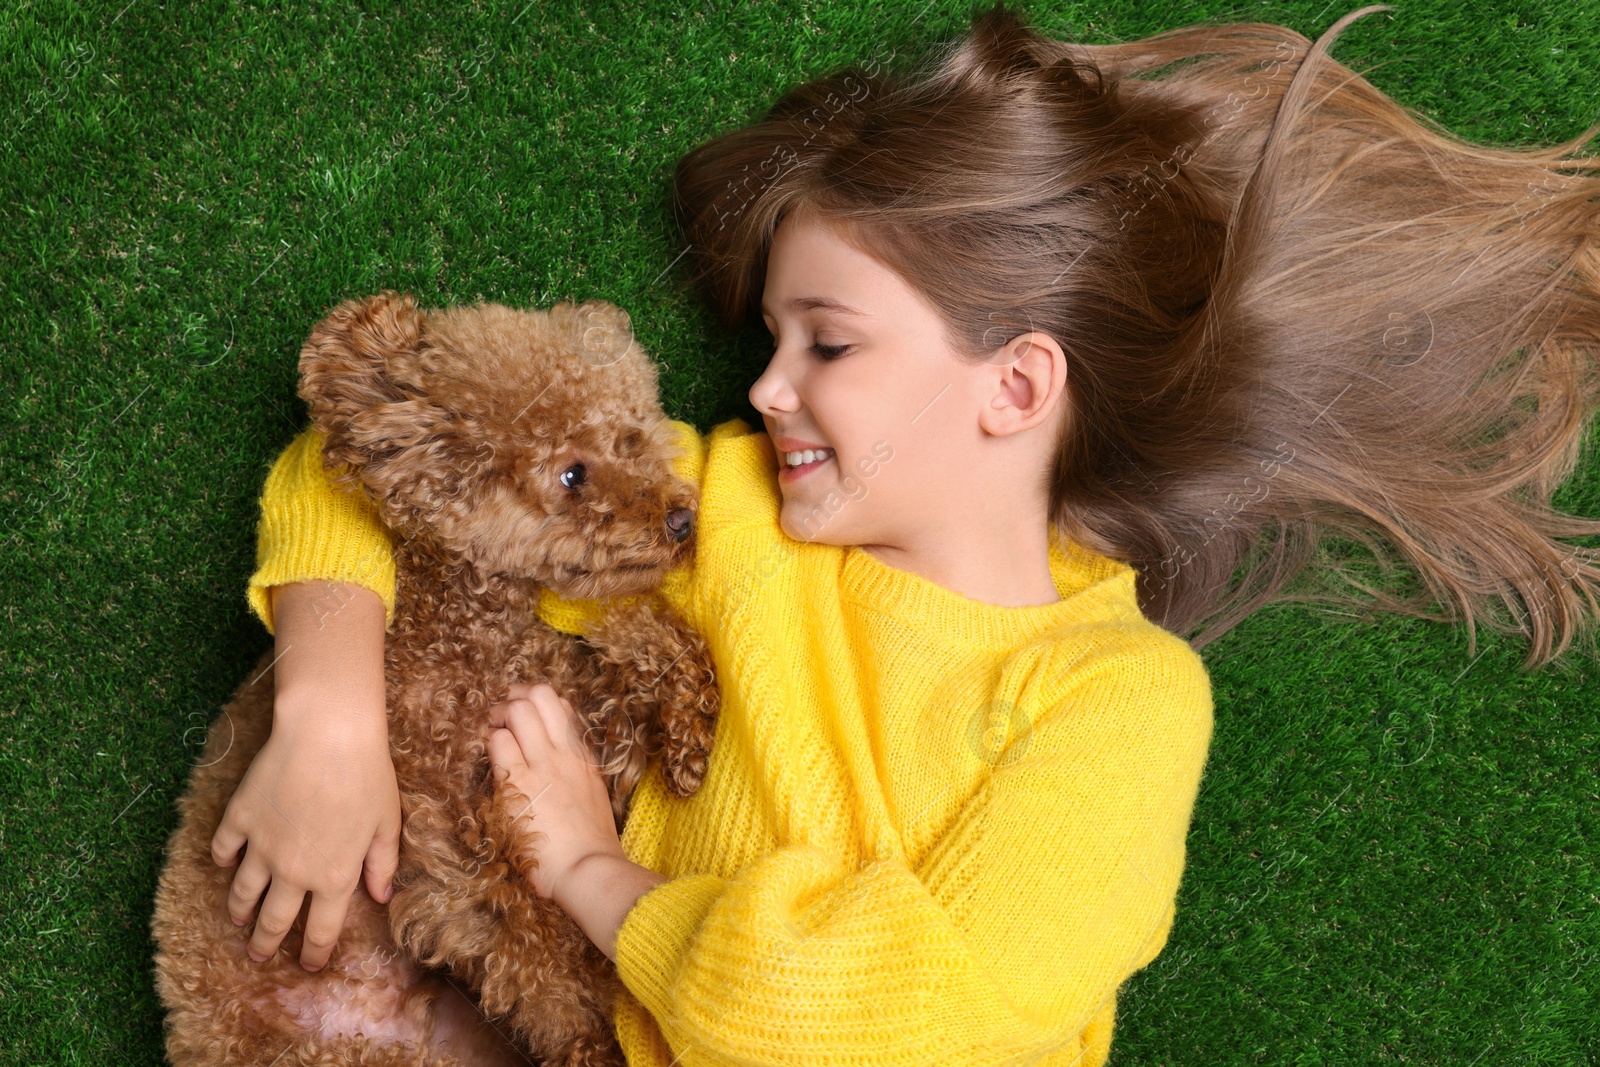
(822, 351)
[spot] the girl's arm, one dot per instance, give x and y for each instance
(319, 802)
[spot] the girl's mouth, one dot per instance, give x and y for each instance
(786, 473)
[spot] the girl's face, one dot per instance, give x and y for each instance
(860, 372)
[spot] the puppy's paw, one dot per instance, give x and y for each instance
(688, 730)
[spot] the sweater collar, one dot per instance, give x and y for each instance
(1091, 586)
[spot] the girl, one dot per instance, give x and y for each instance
(1067, 339)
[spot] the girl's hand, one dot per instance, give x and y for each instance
(319, 803)
(536, 745)
(318, 806)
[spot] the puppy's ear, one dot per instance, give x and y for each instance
(355, 376)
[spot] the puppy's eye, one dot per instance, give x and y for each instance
(574, 476)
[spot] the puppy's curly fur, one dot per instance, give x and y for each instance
(509, 451)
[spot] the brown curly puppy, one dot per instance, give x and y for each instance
(510, 451)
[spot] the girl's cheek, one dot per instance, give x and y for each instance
(869, 464)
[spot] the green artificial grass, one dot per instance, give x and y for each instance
(1393, 856)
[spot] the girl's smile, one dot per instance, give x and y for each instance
(796, 459)
(794, 472)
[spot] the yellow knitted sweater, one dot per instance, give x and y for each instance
(934, 830)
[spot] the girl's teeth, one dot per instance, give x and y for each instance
(797, 459)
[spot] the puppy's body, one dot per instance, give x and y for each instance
(224, 1008)
(510, 451)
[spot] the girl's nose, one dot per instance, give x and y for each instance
(773, 392)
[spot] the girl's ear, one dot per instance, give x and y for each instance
(355, 372)
(1030, 374)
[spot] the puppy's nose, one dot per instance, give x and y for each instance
(680, 523)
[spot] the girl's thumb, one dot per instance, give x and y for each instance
(382, 859)
(380, 887)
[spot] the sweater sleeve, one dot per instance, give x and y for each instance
(310, 530)
(1054, 882)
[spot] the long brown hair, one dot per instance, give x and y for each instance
(1292, 308)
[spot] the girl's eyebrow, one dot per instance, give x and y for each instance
(813, 303)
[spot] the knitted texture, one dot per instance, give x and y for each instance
(324, 535)
(933, 830)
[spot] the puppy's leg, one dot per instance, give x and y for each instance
(654, 671)
(460, 903)
(545, 977)
(441, 910)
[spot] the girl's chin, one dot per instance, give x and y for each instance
(810, 523)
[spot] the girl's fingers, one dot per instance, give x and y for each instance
(540, 724)
(525, 720)
(323, 924)
(225, 844)
(505, 753)
(527, 691)
(539, 721)
(556, 713)
(541, 695)
(383, 858)
(507, 711)
(561, 722)
(249, 882)
(278, 912)
(524, 691)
